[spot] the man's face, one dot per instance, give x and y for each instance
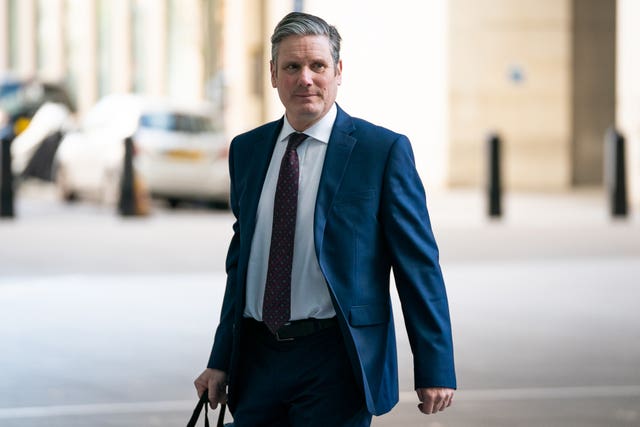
(306, 78)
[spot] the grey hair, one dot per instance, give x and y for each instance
(304, 24)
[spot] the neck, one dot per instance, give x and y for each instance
(302, 123)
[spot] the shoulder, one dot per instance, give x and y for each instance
(378, 139)
(377, 143)
(364, 130)
(265, 133)
(368, 129)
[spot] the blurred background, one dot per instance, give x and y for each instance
(550, 76)
(524, 116)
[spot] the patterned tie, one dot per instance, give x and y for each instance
(276, 307)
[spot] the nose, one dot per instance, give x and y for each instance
(306, 76)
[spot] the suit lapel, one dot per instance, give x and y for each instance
(258, 164)
(339, 150)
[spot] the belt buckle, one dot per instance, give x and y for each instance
(277, 334)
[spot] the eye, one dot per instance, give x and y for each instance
(319, 67)
(290, 68)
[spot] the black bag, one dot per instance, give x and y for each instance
(204, 401)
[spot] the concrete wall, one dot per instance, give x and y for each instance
(94, 47)
(394, 68)
(394, 71)
(4, 34)
(81, 24)
(244, 62)
(51, 52)
(523, 68)
(593, 79)
(628, 90)
(442, 72)
(26, 29)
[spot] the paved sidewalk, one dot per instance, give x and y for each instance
(544, 306)
(467, 208)
(448, 207)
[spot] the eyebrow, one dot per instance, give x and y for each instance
(311, 61)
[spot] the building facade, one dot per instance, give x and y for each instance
(550, 76)
(96, 47)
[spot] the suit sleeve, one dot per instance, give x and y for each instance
(222, 346)
(416, 269)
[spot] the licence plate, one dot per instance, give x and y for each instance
(189, 155)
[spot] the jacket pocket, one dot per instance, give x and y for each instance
(368, 315)
(355, 196)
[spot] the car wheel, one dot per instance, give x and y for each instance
(218, 204)
(110, 188)
(62, 184)
(173, 202)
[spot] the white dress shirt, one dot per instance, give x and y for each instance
(309, 290)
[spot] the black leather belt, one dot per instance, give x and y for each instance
(293, 330)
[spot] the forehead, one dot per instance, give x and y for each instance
(304, 47)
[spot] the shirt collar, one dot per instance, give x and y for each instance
(321, 131)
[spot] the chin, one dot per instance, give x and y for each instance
(309, 110)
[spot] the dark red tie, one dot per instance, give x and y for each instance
(276, 307)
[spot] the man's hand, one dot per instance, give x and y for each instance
(216, 382)
(434, 399)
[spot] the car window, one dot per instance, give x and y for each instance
(57, 94)
(25, 97)
(10, 98)
(9, 88)
(21, 97)
(158, 121)
(202, 124)
(175, 122)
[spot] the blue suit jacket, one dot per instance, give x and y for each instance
(370, 216)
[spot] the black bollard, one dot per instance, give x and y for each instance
(127, 201)
(494, 184)
(615, 173)
(6, 176)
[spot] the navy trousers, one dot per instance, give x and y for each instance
(307, 382)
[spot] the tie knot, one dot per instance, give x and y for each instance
(295, 139)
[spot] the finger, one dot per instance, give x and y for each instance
(449, 401)
(425, 410)
(421, 397)
(213, 395)
(200, 388)
(445, 402)
(222, 392)
(213, 400)
(426, 407)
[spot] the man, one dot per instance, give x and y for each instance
(306, 334)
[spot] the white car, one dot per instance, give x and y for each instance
(51, 118)
(177, 152)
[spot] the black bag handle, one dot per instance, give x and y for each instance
(204, 402)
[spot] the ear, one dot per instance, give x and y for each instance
(339, 72)
(274, 74)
